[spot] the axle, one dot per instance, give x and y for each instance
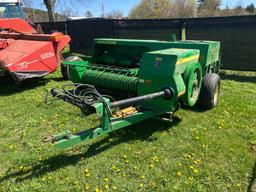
(166, 93)
(87, 109)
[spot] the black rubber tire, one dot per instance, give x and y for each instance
(65, 68)
(210, 92)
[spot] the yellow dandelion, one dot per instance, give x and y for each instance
(141, 185)
(196, 162)
(113, 167)
(191, 167)
(106, 186)
(238, 185)
(87, 174)
(142, 177)
(155, 159)
(179, 173)
(151, 166)
(196, 171)
(180, 164)
(110, 140)
(106, 179)
(190, 178)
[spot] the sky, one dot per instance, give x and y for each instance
(94, 6)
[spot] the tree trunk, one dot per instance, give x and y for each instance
(50, 7)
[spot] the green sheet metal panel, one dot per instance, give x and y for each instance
(209, 50)
(164, 68)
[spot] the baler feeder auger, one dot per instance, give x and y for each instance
(25, 54)
(144, 79)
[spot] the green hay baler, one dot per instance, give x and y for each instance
(128, 81)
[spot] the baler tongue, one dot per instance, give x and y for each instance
(29, 55)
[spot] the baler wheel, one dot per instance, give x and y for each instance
(65, 68)
(210, 93)
(193, 81)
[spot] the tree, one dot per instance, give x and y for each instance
(164, 9)
(208, 8)
(27, 8)
(115, 14)
(184, 8)
(67, 12)
(239, 10)
(226, 12)
(50, 5)
(66, 7)
(250, 8)
(151, 9)
(88, 14)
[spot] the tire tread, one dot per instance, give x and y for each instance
(210, 81)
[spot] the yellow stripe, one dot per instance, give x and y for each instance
(185, 60)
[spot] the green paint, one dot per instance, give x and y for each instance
(142, 67)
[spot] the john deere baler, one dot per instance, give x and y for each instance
(128, 81)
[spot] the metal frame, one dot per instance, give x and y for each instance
(107, 125)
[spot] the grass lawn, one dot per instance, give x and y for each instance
(200, 151)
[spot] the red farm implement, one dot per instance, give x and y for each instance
(26, 54)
